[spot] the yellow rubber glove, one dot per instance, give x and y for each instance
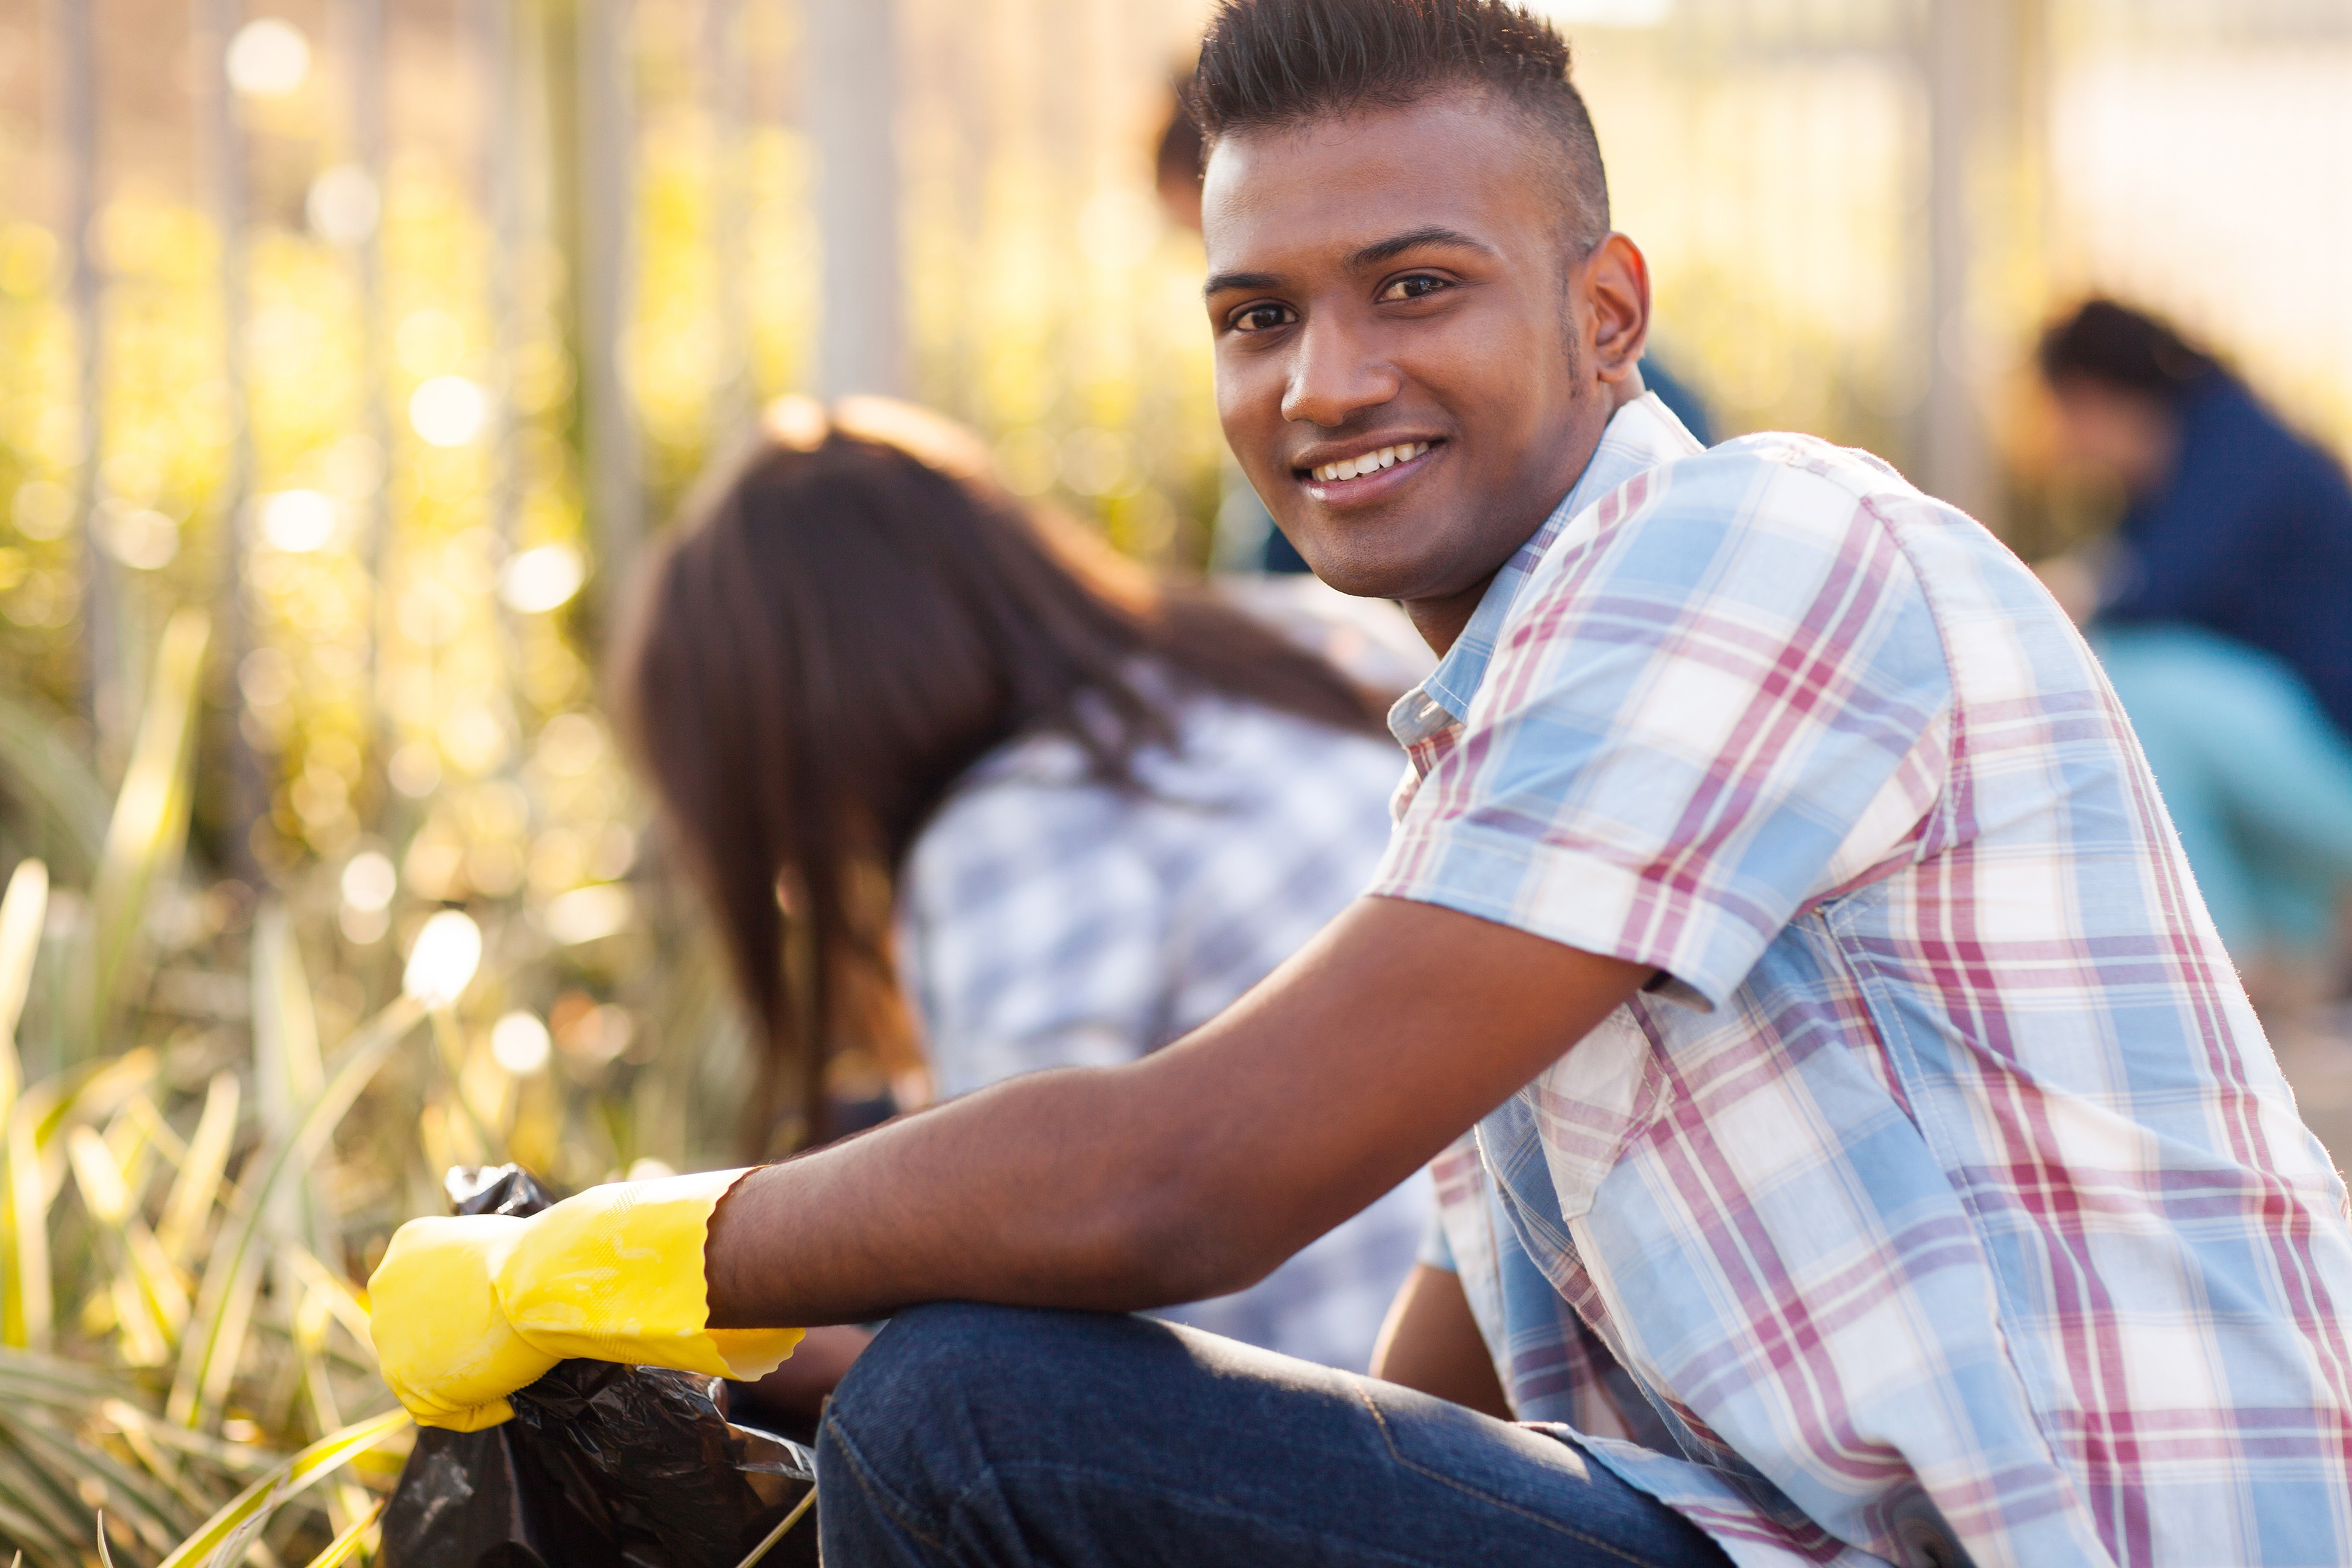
(466, 1310)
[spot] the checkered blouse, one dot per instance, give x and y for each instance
(1049, 920)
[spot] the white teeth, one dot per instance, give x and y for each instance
(1368, 463)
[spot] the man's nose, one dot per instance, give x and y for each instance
(1335, 376)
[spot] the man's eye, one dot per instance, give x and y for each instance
(1419, 286)
(1262, 318)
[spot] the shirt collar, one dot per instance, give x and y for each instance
(1640, 436)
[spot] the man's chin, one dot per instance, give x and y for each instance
(1397, 563)
(1365, 580)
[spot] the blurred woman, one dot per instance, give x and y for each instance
(2222, 609)
(932, 754)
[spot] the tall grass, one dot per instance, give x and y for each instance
(146, 1384)
(205, 1139)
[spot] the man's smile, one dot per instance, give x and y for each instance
(1368, 473)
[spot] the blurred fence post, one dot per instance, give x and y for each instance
(734, 389)
(606, 188)
(1956, 460)
(1984, 74)
(215, 26)
(362, 25)
(101, 616)
(501, 170)
(850, 55)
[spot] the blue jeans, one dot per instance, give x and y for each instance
(2256, 777)
(1003, 1435)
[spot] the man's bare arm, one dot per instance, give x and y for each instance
(1432, 1342)
(1191, 1172)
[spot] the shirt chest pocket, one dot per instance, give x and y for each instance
(1593, 1102)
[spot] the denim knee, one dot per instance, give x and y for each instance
(930, 1409)
(932, 1363)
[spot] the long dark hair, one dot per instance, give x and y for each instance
(835, 631)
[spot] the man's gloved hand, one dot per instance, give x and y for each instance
(465, 1310)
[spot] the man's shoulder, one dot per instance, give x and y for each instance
(1747, 492)
(1821, 471)
(1779, 487)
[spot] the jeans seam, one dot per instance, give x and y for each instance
(1389, 1437)
(883, 1497)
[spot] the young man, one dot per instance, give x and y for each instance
(1856, 1146)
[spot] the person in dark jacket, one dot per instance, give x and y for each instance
(2236, 524)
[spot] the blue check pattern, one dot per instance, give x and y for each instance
(1048, 919)
(1942, 1203)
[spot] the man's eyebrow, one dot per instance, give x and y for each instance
(1413, 239)
(1224, 281)
(1372, 255)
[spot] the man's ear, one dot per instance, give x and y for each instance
(1616, 283)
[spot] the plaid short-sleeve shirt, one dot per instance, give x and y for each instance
(1942, 1202)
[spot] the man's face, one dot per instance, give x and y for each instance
(1393, 294)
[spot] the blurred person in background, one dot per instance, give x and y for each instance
(2223, 612)
(2233, 522)
(929, 751)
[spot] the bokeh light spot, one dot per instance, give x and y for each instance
(370, 880)
(342, 205)
(442, 964)
(519, 1043)
(269, 57)
(449, 410)
(298, 521)
(542, 579)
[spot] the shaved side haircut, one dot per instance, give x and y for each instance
(1279, 64)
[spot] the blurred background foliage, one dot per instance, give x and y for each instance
(348, 348)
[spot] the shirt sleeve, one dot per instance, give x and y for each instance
(1031, 935)
(1723, 698)
(1435, 1251)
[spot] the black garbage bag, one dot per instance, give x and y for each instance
(603, 1466)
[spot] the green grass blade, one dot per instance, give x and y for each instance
(154, 1514)
(54, 786)
(204, 1362)
(26, 1296)
(288, 1070)
(149, 828)
(199, 1185)
(22, 911)
(222, 1540)
(340, 1549)
(32, 1169)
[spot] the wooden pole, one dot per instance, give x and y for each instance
(502, 193)
(216, 24)
(850, 55)
(360, 24)
(1960, 60)
(724, 84)
(101, 611)
(607, 197)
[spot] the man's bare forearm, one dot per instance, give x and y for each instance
(1193, 1172)
(1026, 1193)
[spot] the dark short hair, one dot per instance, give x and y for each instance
(1276, 63)
(2113, 344)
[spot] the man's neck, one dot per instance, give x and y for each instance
(1441, 621)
